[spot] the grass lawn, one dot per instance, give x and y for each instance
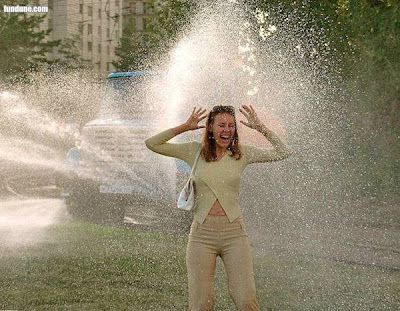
(82, 266)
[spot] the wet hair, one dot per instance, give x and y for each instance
(209, 145)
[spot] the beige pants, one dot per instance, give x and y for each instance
(219, 237)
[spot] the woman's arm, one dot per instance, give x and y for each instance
(181, 129)
(158, 143)
(253, 154)
(280, 151)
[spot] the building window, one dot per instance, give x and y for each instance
(80, 28)
(50, 23)
(108, 33)
(117, 2)
(89, 46)
(99, 48)
(139, 23)
(109, 66)
(108, 50)
(100, 13)
(81, 8)
(132, 8)
(144, 24)
(90, 11)
(50, 4)
(99, 30)
(89, 29)
(146, 8)
(139, 7)
(145, 39)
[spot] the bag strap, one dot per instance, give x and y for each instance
(195, 162)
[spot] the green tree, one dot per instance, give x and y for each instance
(71, 58)
(364, 45)
(372, 71)
(167, 19)
(22, 45)
(131, 51)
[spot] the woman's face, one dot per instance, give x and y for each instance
(223, 129)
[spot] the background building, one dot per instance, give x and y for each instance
(139, 11)
(95, 25)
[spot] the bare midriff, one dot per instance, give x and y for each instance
(216, 209)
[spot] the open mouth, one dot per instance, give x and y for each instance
(225, 138)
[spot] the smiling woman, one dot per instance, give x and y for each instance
(218, 228)
(221, 134)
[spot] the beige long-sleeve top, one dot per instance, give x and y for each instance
(216, 180)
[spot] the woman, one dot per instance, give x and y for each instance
(217, 228)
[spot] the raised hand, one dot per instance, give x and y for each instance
(197, 115)
(252, 119)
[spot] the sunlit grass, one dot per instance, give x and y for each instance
(91, 267)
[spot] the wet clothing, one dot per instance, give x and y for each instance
(214, 180)
(225, 236)
(217, 236)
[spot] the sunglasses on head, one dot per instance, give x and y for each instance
(220, 108)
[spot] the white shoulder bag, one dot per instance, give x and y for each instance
(186, 197)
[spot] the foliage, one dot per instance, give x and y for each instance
(71, 58)
(22, 44)
(372, 67)
(368, 35)
(364, 45)
(131, 51)
(167, 19)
